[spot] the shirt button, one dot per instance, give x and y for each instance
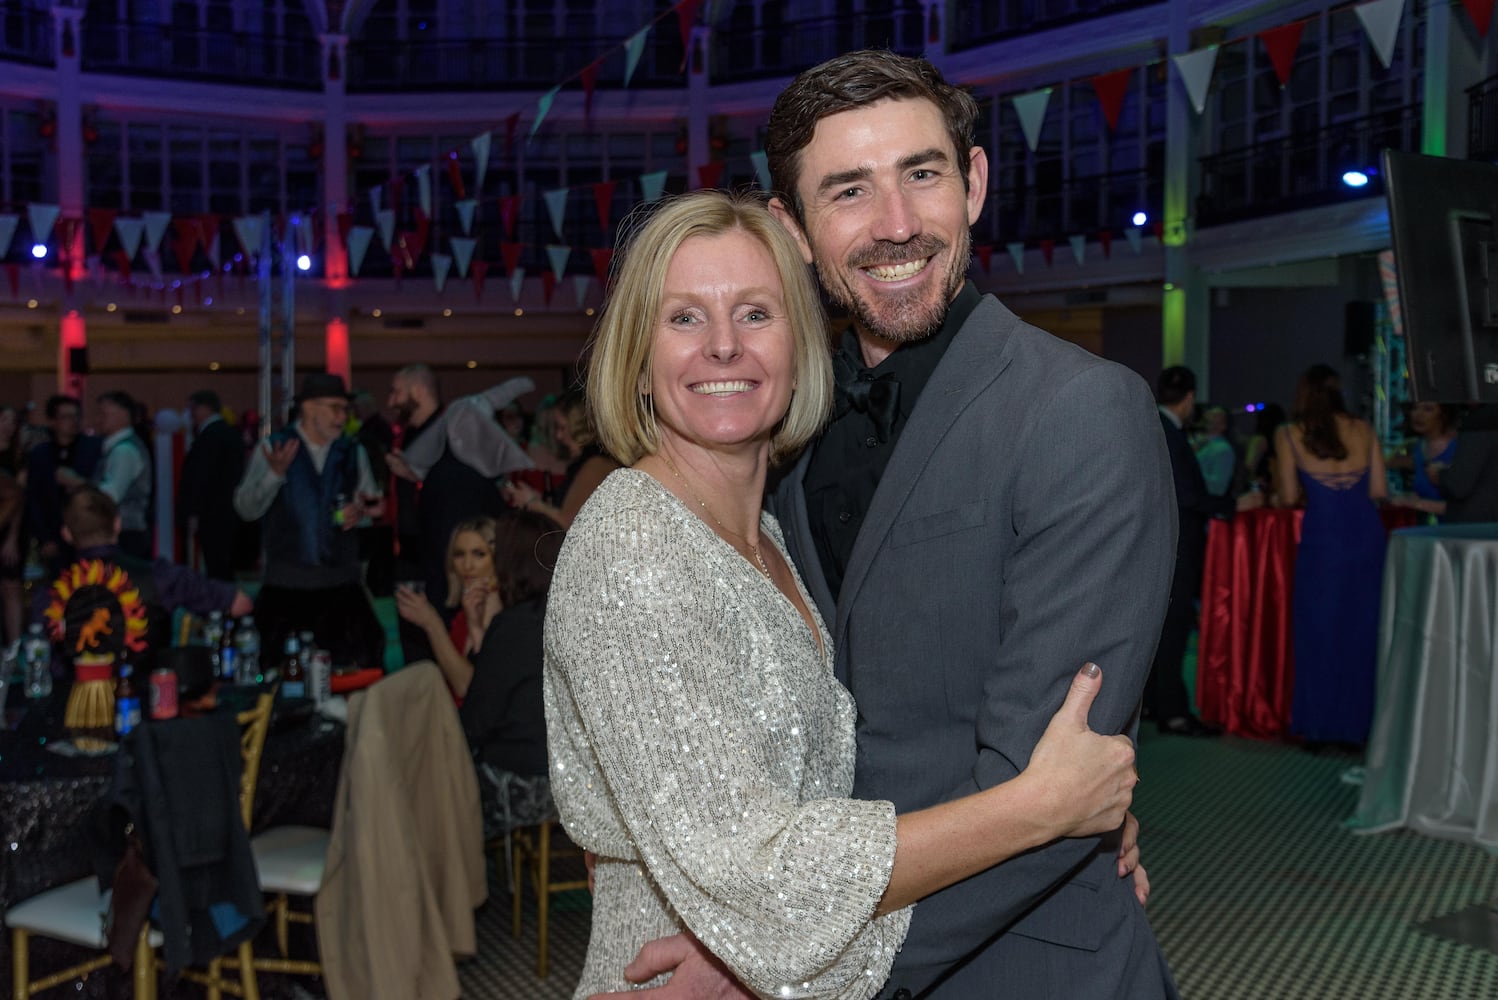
(844, 517)
(871, 441)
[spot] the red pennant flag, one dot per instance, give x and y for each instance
(1105, 237)
(1481, 13)
(1047, 250)
(183, 246)
(209, 225)
(68, 228)
(13, 275)
(1281, 44)
(686, 12)
(548, 285)
(1111, 89)
(345, 223)
(416, 241)
(479, 269)
(122, 259)
(602, 258)
(511, 124)
(187, 228)
(455, 173)
(510, 252)
(101, 222)
(1159, 228)
(603, 197)
(985, 255)
(589, 76)
(509, 211)
(710, 173)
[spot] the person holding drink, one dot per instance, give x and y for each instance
(472, 588)
(311, 484)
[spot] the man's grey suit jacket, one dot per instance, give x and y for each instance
(1025, 524)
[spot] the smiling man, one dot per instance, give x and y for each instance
(981, 516)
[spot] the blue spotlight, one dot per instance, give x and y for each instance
(1355, 178)
(1140, 218)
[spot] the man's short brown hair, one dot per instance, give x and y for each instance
(89, 516)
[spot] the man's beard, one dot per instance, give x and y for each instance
(908, 318)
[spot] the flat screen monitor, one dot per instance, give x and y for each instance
(1441, 217)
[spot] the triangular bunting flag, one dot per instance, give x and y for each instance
(8, 224)
(558, 256)
(441, 265)
(130, 232)
(543, 108)
(100, 224)
(710, 173)
(1111, 89)
(480, 271)
(761, 168)
(1159, 230)
(984, 253)
(1381, 21)
(580, 283)
(215, 254)
(153, 263)
(1048, 251)
(462, 247)
(686, 13)
(517, 284)
(1135, 236)
(512, 125)
(156, 223)
(1105, 240)
(480, 145)
(424, 188)
(1031, 109)
(603, 200)
(249, 228)
(42, 219)
(1481, 13)
(652, 185)
(466, 209)
(374, 199)
(589, 77)
(602, 258)
(358, 246)
(208, 223)
(556, 207)
(510, 254)
(1196, 74)
(385, 225)
(182, 249)
(455, 174)
(345, 222)
(634, 47)
(1017, 251)
(1078, 248)
(509, 211)
(1281, 44)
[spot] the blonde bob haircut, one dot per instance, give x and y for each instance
(624, 339)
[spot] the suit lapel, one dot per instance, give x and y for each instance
(977, 356)
(795, 524)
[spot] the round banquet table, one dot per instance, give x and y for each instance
(1245, 655)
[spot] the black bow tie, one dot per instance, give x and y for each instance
(878, 396)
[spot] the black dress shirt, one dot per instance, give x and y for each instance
(848, 460)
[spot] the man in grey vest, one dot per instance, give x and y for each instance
(124, 472)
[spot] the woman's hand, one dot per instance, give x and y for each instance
(480, 604)
(1128, 859)
(416, 609)
(1087, 780)
(519, 495)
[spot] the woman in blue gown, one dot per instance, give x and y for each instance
(1334, 460)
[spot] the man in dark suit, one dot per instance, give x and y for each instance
(205, 495)
(982, 516)
(1165, 697)
(67, 451)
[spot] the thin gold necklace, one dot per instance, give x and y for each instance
(758, 559)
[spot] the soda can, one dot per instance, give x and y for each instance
(163, 694)
(320, 675)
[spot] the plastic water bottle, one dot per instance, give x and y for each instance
(247, 652)
(213, 638)
(36, 655)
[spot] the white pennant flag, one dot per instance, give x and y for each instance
(580, 284)
(761, 168)
(1031, 109)
(462, 247)
(1078, 248)
(1381, 21)
(8, 224)
(358, 246)
(558, 256)
(556, 205)
(153, 262)
(156, 223)
(465, 213)
(634, 47)
(424, 188)
(42, 218)
(517, 284)
(441, 265)
(215, 250)
(385, 222)
(130, 232)
(1135, 236)
(480, 145)
(374, 198)
(1017, 251)
(652, 185)
(249, 229)
(1196, 73)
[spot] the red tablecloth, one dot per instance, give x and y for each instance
(1245, 657)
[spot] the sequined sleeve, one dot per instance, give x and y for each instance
(686, 734)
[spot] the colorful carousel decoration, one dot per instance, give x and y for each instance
(97, 618)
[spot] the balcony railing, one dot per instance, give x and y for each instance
(1081, 206)
(1482, 120)
(504, 64)
(788, 48)
(1302, 171)
(219, 56)
(979, 22)
(26, 34)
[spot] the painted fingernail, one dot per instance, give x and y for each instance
(1092, 669)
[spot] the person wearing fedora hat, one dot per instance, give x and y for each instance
(312, 485)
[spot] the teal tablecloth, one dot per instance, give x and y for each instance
(1432, 762)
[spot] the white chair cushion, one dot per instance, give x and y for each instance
(73, 912)
(290, 859)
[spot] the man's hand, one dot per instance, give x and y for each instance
(279, 457)
(696, 974)
(397, 464)
(68, 479)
